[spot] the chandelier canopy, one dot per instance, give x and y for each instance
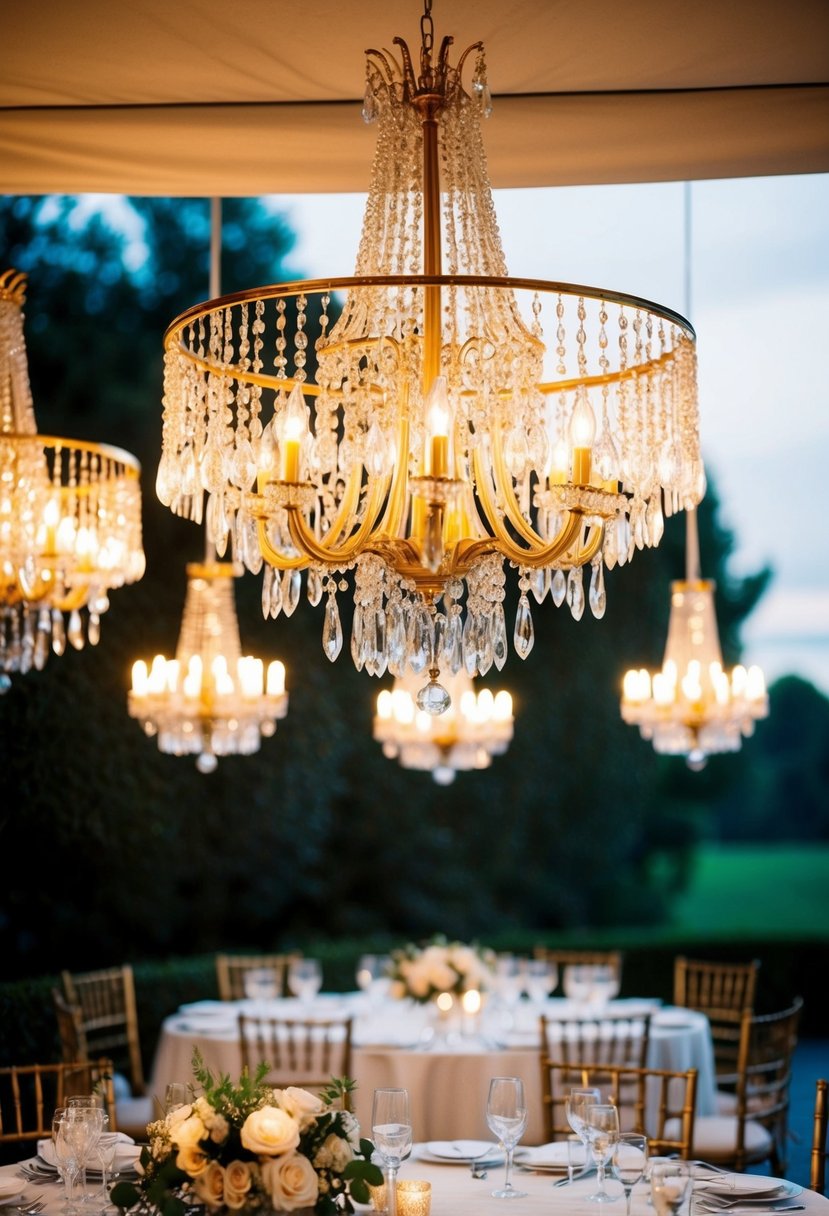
(209, 700)
(692, 707)
(70, 517)
(458, 419)
(475, 727)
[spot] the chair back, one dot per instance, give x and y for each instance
(603, 1038)
(575, 958)
(73, 1044)
(298, 1051)
(758, 1129)
(31, 1093)
(660, 1103)
(723, 991)
(231, 969)
(108, 1016)
(817, 1175)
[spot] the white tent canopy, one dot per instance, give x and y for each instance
(179, 97)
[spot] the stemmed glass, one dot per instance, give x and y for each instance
(629, 1161)
(540, 979)
(372, 975)
(602, 1126)
(175, 1095)
(66, 1160)
(670, 1185)
(506, 1117)
(304, 978)
(575, 1107)
(104, 1156)
(83, 1121)
(391, 1127)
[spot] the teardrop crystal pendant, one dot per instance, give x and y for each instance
(524, 635)
(433, 698)
(75, 630)
(313, 586)
(575, 592)
(558, 588)
(597, 596)
(332, 630)
(291, 588)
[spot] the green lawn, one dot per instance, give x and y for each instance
(758, 889)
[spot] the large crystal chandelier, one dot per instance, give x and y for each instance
(692, 707)
(459, 420)
(70, 517)
(475, 727)
(209, 700)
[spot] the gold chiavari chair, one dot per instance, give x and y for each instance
(817, 1174)
(723, 991)
(298, 1051)
(31, 1093)
(231, 969)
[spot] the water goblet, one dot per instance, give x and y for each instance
(66, 1160)
(575, 1107)
(104, 1156)
(260, 984)
(671, 1186)
(629, 1161)
(391, 1127)
(540, 979)
(577, 982)
(83, 1123)
(506, 1117)
(304, 978)
(175, 1095)
(602, 1126)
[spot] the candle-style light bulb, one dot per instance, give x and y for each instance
(438, 426)
(582, 437)
(293, 428)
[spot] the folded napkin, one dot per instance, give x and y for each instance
(549, 1156)
(9, 1187)
(126, 1153)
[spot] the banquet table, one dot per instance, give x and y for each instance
(445, 1069)
(454, 1192)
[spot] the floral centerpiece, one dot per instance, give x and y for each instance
(254, 1149)
(423, 972)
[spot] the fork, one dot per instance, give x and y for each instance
(31, 1207)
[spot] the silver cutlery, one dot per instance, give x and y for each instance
(591, 1169)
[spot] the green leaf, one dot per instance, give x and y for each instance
(125, 1195)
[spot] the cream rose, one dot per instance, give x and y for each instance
(188, 1132)
(299, 1104)
(192, 1160)
(237, 1184)
(178, 1116)
(210, 1185)
(270, 1131)
(291, 1182)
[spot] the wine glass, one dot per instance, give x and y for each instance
(601, 1120)
(391, 1126)
(372, 975)
(575, 1106)
(670, 1186)
(66, 1160)
(175, 1095)
(104, 1156)
(629, 1162)
(304, 978)
(506, 1117)
(540, 979)
(83, 1121)
(260, 984)
(577, 982)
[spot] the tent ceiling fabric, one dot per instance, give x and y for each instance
(259, 97)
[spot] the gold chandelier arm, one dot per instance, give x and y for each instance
(539, 555)
(281, 561)
(348, 505)
(594, 540)
(305, 540)
(395, 507)
(502, 481)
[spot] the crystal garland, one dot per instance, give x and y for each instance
(70, 518)
(461, 420)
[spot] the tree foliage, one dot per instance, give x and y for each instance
(138, 855)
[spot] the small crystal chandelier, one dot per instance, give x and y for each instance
(476, 727)
(458, 419)
(692, 707)
(70, 517)
(209, 700)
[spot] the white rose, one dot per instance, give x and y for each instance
(270, 1131)
(178, 1116)
(188, 1132)
(291, 1182)
(238, 1181)
(299, 1104)
(210, 1185)
(335, 1153)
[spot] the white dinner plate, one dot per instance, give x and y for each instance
(747, 1186)
(461, 1152)
(551, 1156)
(10, 1188)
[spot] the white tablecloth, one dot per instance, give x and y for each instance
(456, 1193)
(447, 1079)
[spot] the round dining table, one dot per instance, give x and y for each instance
(445, 1064)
